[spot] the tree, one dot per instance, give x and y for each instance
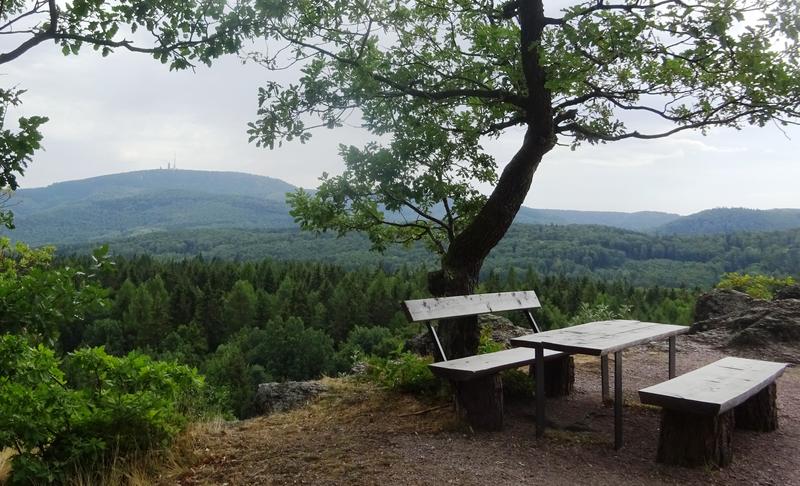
(183, 32)
(435, 78)
(16, 149)
(241, 306)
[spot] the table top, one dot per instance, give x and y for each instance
(602, 337)
(714, 388)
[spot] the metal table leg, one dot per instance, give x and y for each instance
(618, 400)
(604, 378)
(672, 357)
(539, 390)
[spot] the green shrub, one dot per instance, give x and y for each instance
(408, 372)
(486, 344)
(366, 341)
(41, 300)
(61, 416)
(599, 312)
(757, 286)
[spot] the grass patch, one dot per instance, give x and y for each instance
(333, 439)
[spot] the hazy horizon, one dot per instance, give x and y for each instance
(128, 112)
(271, 177)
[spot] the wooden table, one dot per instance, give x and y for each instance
(598, 339)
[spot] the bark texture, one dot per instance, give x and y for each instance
(480, 402)
(466, 253)
(759, 412)
(693, 440)
(559, 376)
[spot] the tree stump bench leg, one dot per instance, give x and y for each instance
(759, 412)
(559, 376)
(689, 439)
(480, 402)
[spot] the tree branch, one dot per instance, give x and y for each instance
(599, 6)
(443, 95)
(589, 134)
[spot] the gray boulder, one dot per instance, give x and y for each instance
(720, 302)
(502, 329)
(282, 397)
(758, 324)
(776, 322)
(790, 292)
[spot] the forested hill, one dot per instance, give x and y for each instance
(132, 203)
(596, 251)
(732, 220)
(135, 203)
(637, 221)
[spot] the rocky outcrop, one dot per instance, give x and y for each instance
(748, 321)
(790, 292)
(720, 302)
(502, 331)
(282, 397)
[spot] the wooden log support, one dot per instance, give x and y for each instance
(689, 439)
(702, 407)
(671, 357)
(618, 400)
(480, 402)
(540, 395)
(559, 376)
(759, 412)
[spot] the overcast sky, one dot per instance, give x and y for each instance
(128, 112)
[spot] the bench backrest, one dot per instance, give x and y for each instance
(469, 305)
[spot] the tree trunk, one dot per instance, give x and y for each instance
(480, 402)
(759, 412)
(460, 336)
(462, 262)
(559, 376)
(692, 440)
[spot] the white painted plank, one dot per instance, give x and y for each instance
(601, 337)
(467, 305)
(714, 388)
(463, 369)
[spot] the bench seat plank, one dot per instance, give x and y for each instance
(468, 305)
(715, 388)
(471, 367)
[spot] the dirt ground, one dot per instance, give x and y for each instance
(359, 434)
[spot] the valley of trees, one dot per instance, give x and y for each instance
(95, 345)
(597, 252)
(245, 323)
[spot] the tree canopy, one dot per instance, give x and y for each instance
(433, 79)
(437, 77)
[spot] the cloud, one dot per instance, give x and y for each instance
(128, 112)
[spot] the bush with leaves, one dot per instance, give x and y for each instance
(41, 300)
(408, 373)
(60, 416)
(366, 341)
(599, 312)
(758, 286)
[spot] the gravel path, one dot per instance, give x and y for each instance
(359, 434)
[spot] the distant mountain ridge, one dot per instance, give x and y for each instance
(732, 220)
(637, 221)
(135, 203)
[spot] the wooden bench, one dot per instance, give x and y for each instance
(476, 380)
(702, 407)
